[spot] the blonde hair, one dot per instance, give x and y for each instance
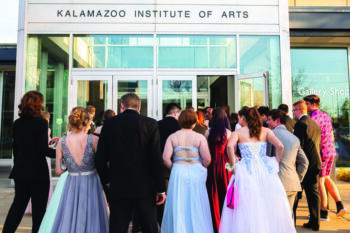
(78, 119)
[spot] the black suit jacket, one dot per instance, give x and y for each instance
(130, 143)
(167, 126)
(309, 134)
(30, 148)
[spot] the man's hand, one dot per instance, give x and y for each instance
(160, 198)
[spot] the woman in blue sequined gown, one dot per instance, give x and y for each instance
(260, 201)
(78, 204)
(187, 207)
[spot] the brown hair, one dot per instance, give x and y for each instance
(252, 117)
(108, 114)
(313, 99)
(131, 100)
(79, 118)
(187, 119)
(91, 109)
(200, 116)
(32, 103)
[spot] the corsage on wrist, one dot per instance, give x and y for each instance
(229, 167)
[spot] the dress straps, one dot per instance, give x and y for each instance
(178, 148)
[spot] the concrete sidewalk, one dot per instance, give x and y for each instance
(341, 224)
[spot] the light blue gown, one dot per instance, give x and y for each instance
(78, 204)
(187, 207)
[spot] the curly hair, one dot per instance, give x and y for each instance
(252, 117)
(32, 103)
(78, 119)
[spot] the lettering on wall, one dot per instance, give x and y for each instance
(331, 91)
(121, 13)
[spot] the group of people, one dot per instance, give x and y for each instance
(189, 172)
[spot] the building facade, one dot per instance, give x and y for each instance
(197, 53)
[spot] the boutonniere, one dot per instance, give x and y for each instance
(229, 167)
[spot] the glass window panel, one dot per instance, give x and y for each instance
(139, 87)
(193, 51)
(251, 92)
(260, 54)
(7, 85)
(324, 72)
(177, 91)
(113, 51)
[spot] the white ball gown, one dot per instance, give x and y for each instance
(260, 201)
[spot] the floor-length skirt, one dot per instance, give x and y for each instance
(261, 203)
(187, 207)
(77, 206)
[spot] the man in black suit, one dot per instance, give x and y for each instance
(129, 142)
(309, 134)
(167, 126)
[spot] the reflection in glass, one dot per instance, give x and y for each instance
(324, 72)
(251, 92)
(177, 91)
(194, 51)
(47, 72)
(139, 87)
(93, 93)
(260, 54)
(113, 51)
(7, 85)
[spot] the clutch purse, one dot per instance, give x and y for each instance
(230, 198)
(63, 165)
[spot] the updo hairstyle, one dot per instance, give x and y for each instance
(79, 118)
(252, 117)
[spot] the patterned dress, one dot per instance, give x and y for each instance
(327, 143)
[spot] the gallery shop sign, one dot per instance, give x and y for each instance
(153, 14)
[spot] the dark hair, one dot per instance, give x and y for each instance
(131, 100)
(234, 117)
(170, 108)
(32, 103)
(284, 108)
(79, 118)
(278, 113)
(187, 119)
(313, 99)
(218, 125)
(91, 109)
(252, 117)
(200, 116)
(263, 110)
(108, 114)
(189, 108)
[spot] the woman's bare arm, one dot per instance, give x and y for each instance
(168, 152)
(231, 147)
(59, 154)
(204, 151)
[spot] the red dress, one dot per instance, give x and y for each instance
(217, 181)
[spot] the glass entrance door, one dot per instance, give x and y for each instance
(252, 90)
(95, 91)
(141, 86)
(176, 89)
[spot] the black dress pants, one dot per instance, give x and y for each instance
(38, 191)
(120, 214)
(310, 186)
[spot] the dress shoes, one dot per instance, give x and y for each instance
(310, 226)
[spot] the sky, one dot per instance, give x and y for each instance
(9, 21)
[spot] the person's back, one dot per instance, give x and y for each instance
(257, 190)
(129, 144)
(81, 192)
(187, 207)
